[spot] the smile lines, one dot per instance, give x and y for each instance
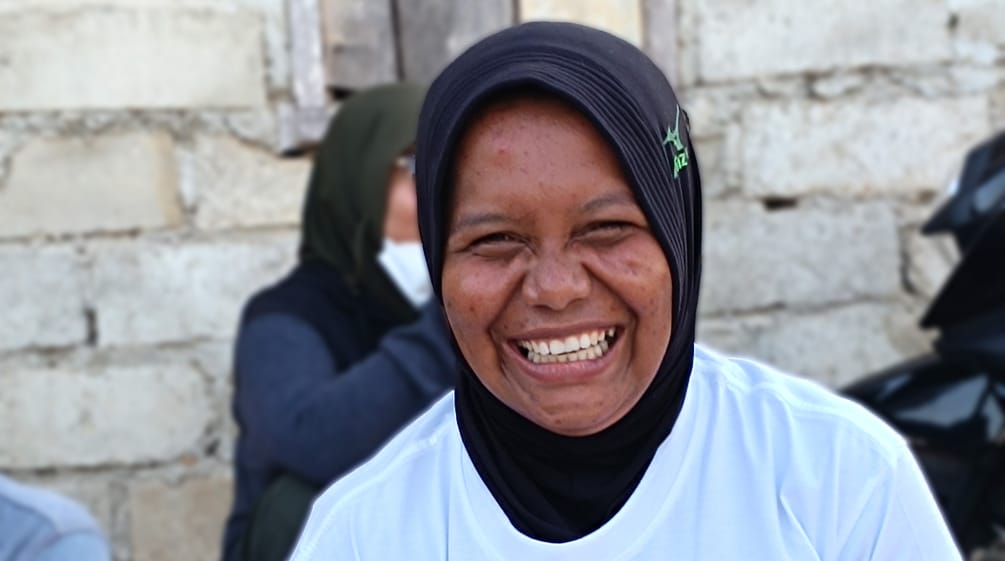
(586, 346)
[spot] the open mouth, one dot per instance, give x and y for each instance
(588, 345)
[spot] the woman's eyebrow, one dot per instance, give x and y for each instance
(614, 199)
(471, 220)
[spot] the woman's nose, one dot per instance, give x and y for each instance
(555, 280)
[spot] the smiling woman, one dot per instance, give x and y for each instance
(560, 213)
(556, 289)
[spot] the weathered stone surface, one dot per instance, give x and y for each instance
(214, 359)
(716, 160)
(620, 17)
(904, 146)
(712, 110)
(943, 82)
(837, 85)
(307, 61)
(998, 107)
(258, 127)
(159, 292)
(659, 41)
(115, 414)
(234, 185)
(433, 32)
(359, 51)
(275, 28)
(834, 346)
(177, 521)
(930, 260)
(980, 29)
(980, 19)
(107, 183)
(755, 259)
(301, 129)
(41, 293)
(6, 147)
(789, 36)
(157, 56)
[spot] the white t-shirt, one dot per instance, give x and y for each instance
(759, 466)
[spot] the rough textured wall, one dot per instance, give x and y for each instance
(141, 201)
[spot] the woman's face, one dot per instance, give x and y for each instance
(556, 290)
(400, 221)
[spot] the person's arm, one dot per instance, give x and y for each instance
(901, 521)
(76, 546)
(316, 418)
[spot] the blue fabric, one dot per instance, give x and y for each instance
(322, 379)
(36, 525)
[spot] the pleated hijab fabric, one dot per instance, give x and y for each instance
(552, 487)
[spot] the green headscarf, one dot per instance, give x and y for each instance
(343, 220)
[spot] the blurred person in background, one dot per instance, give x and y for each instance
(39, 525)
(333, 359)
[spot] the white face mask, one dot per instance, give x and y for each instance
(406, 265)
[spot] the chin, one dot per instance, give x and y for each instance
(572, 420)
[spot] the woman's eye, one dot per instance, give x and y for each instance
(496, 245)
(612, 226)
(608, 229)
(495, 239)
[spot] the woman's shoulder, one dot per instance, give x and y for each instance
(796, 407)
(401, 475)
(308, 286)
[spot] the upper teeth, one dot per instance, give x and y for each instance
(589, 345)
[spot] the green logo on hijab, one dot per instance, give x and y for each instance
(673, 139)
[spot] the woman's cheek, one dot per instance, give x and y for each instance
(472, 289)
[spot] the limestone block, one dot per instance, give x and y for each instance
(108, 183)
(810, 256)
(234, 185)
(172, 521)
(433, 32)
(837, 85)
(95, 416)
(148, 292)
(712, 110)
(620, 17)
(998, 107)
(215, 360)
(359, 42)
(6, 147)
(743, 39)
(833, 346)
(980, 29)
(273, 14)
(659, 40)
(40, 289)
(930, 260)
(159, 55)
(899, 147)
(716, 159)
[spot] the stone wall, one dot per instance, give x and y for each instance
(142, 199)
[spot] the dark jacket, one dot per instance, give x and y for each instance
(322, 379)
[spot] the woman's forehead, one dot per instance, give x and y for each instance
(530, 150)
(537, 107)
(510, 128)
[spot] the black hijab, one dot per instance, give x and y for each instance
(552, 487)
